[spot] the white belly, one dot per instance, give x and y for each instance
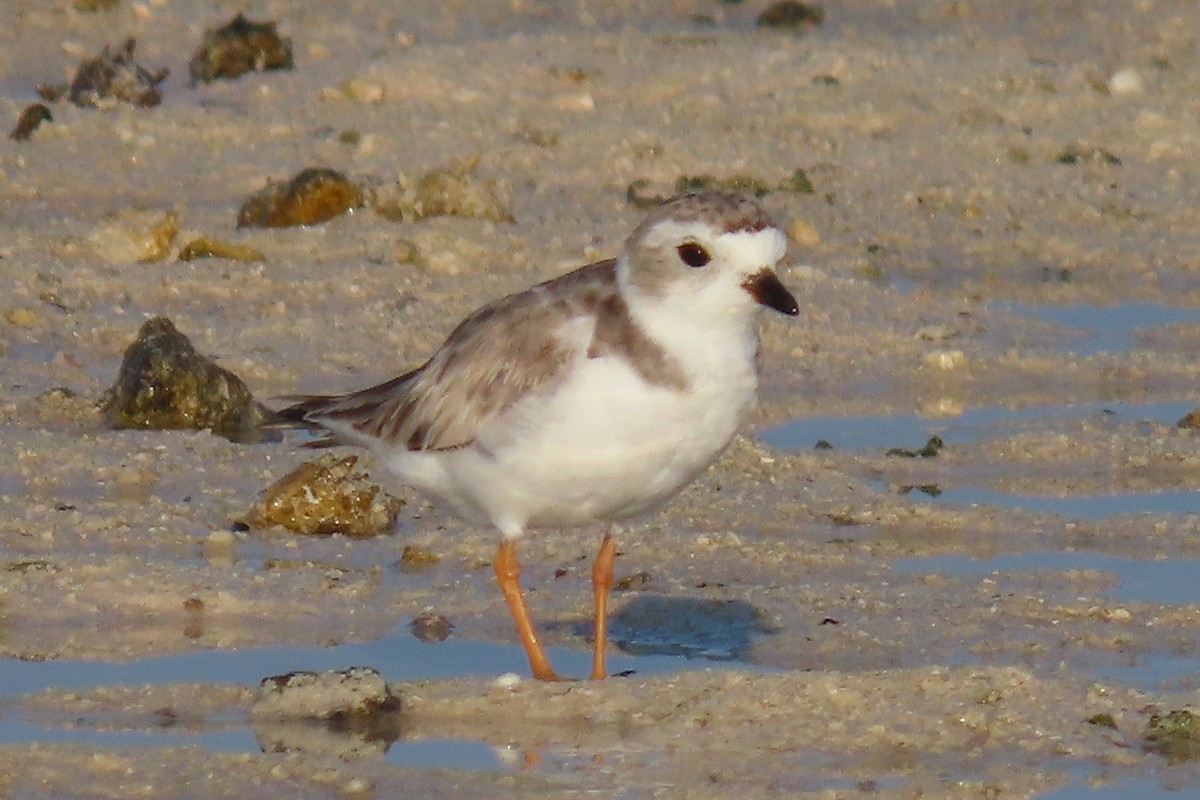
(604, 446)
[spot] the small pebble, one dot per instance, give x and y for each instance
(362, 91)
(507, 682)
(219, 538)
(580, 103)
(405, 251)
(431, 627)
(803, 233)
(357, 786)
(21, 317)
(208, 247)
(935, 333)
(33, 116)
(792, 14)
(1126, 81)
(945, 359)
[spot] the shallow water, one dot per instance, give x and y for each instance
(1074, 506)
(399, 657)
(1166, 581)
(1137, 580)
(1117, 328)
(1090, 788)
(883, 432)
(880, 432)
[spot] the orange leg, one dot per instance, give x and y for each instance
(602, 581)
(508, 574)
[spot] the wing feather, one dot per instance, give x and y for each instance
(498, 354)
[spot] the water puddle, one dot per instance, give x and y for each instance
(1075, 506)
(1167, 581)
(881, 432)
(1098, 788)
(679, 634)
(1115, 329)
(1153, 671)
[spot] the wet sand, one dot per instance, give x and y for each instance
(962, 156)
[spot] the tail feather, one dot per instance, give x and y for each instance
(316, 412)
(301, 409)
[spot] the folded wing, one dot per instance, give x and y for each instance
(500, 353)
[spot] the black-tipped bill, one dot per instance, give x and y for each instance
(764, 286)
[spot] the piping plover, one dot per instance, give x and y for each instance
(592, 397)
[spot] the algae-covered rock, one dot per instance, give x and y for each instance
(645, 193)
(1080, 153)
(314, 195)
(164, 384)
(31, 117)
(324, 695)
(323, 497)
(417, 559)
(239, 47)
(739, 184)
(348, 714)
(208, 247)
(142, 235)
(429, 626)
(450, 191)
(1190, 420)
(1175, 736)
(791, 14)
(930, 450)
(109, 78)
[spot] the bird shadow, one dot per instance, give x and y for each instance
(703, 628)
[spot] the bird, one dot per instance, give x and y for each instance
(589, 399)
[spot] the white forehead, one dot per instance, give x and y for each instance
(750, 248)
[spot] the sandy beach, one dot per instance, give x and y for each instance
(970, 170)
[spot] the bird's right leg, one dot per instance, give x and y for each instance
(508, 574)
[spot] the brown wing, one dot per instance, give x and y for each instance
(495, 356)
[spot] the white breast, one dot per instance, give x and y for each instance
(604, 445)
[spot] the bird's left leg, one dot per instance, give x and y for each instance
(602, 581)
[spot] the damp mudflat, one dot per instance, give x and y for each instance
(992, 212)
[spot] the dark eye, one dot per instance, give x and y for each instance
(693, 254)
